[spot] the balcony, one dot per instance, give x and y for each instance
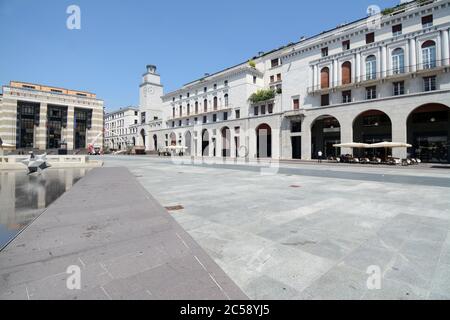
(201, 112)
(423, 69)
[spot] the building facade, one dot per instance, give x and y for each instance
(41, 117)
(119, 131)
(382, 78)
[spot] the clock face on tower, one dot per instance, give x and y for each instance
(150, 90)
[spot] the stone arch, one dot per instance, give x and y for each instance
(325, 132)
(264, 141)
(428, 132)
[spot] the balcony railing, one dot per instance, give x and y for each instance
(200, 112)
(390, 74)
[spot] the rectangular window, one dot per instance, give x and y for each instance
(296, 126)
(325, 100)
(427, 21)
(429, 83)
(263, 109)
(225, 83)
(347, 96)
(180, 123)
(370, 37)
(371, 93)
(399, 88)
(238, 114)
(346, 45)
(270, 108)
(205, 119)
(275, 63)
(325, 52)
(397, 30)
(296, 104)
(254, 79)
(272, 79)
(143, 117)
(255, 111)
(214, 117)
(225, 116)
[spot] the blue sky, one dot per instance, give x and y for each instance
(185, 39)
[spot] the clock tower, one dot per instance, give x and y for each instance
(150, 93)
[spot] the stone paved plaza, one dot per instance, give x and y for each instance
(311, 231)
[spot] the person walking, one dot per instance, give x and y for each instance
(319, 155)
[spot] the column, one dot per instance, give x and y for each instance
(407, 58)
(383, 61)
(316, 76)
(306, 140)
(412, 55)
(445, 47)
(41, 130)
(311, 77)
(358, 67)
(335, 72)
(346, 135)
(69, 131)
(399, 134)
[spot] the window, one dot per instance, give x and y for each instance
(181, 97)
(429, 55)
(205, 105)
(215, 103)
(371, 68)
(398, 61)
(427, 21)
(263, 110)
(347, 96)
(187, 122)
(346, 73)
(135, 122)
(181, 111)
(397, 30)
(255, 111)
(296, 104)
(180, 123)
(135, 113)
(325, 78)
(237, 114)
(173, 124)
(399, 88)
(225, 83)
(371, 93)
(346, 45)
(215, 86)
(254, 79)
(196, 107)
(225, 98)
(325, 100)
(429, 83)
(214, 117)
(279, 77)
(205, 89)
(272, 79)
(188, 95)
(270, 108)
(225, 116)
(275, 63)
(188, 109)
(370, 37)
(143, 117)
(205, 119)
(325, 52)
(296, 126)
(173, 99)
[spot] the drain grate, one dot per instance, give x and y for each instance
(174, 208)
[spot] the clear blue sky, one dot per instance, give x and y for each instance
(184, 39)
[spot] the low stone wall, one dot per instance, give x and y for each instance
(67, 161)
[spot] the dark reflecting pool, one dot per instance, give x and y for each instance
(23, 197)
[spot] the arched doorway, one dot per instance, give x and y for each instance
(143, 137)
(205, 143)
(325, 132)
(372, 126)
(188, 143)
(226, 142)
(264, 141)
(429, 134)
(155, 142)
(173, 139)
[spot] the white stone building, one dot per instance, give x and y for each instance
(361, 82)
(118, 128)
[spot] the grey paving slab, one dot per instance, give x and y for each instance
(125, 243)
(318, 239)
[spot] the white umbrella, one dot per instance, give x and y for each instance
(390, 145)
(353, 145)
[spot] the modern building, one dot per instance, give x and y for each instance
(381, 78)
(119, 133)
(41, 117)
